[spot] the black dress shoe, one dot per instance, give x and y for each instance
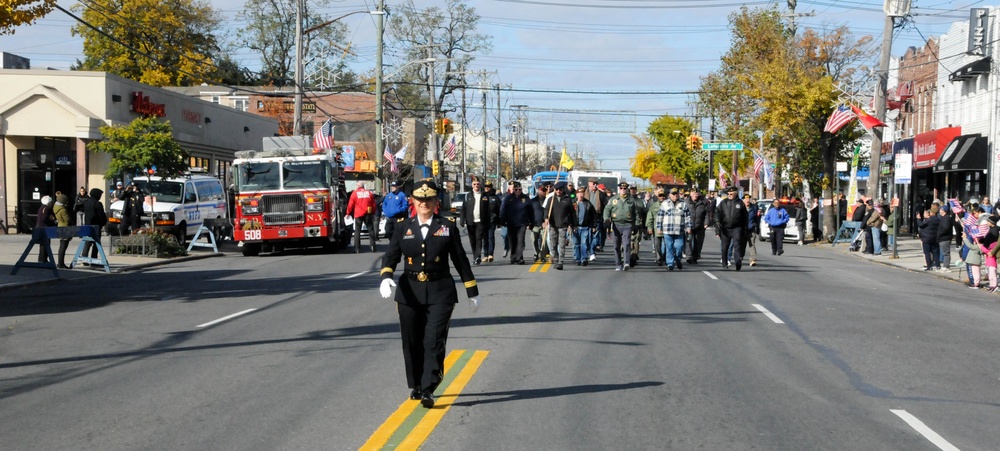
(679, 264)
(559, 266)
(477, 262)
(415, 393)
(505, 253)
(427, 400)
(739, 265)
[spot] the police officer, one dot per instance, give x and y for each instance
(621, 213)
(395, 205)
(426, 294)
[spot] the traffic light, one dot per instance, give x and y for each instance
(449, 128)
(690, 142)
(697, 142)
(439, 126)
(436, 168)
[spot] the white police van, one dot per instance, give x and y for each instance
(177, 206)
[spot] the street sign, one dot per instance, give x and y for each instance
(721, 146)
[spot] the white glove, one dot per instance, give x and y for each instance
(386, 288)
(474, 303)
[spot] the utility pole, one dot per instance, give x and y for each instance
(499, 130)
(483, 90)
(297, 122)
(464, 124)
(893, 9)
(434, 150)
(379, 119)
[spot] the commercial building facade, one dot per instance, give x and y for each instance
(48, 118)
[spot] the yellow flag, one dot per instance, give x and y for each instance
(565, 161)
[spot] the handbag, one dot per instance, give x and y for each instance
(885, 227)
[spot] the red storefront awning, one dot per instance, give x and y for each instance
(927, 147)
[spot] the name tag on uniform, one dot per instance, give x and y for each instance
(409, 235)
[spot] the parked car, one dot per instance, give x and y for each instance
(791, 232)
(456, 205)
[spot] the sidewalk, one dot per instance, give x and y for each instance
(910, 257)
(12, 246)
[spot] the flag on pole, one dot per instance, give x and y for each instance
(867, 120)
(758, 164)
(565, 161)
(450, 149)
(841, 116)
(394, 160)
(323, 139)
(722, 177)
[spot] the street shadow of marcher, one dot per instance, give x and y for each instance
(536, 393)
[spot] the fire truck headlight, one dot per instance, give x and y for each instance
(250, 206)
(314, 204)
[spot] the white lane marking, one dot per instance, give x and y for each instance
(356, 275)
(925, 431)
(710, 275)
(768, 314)
(226, 318)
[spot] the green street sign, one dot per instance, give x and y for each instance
(721, 146)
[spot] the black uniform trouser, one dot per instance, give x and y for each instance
(390, 226)
(515, 239)
(696, 241)
(477, 237)
(777, 239)
(424, 330)
(372, 231)
(732, 237)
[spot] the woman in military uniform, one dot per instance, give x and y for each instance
(426, 295)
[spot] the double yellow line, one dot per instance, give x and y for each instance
(540, 267)
(409, 426)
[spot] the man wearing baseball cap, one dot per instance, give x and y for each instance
(395, 206)
(621, 214)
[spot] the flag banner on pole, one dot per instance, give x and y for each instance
(758, 164)
(722, 177)
(867, 120)
(565, 161)
(841, 116)
(736, 177)
(396, 159)
(323, 139)
(450, 152)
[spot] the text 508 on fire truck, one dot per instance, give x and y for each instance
(288, 198)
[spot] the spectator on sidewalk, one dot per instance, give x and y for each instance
(800, 219)
(987, 244)
(890, 226)
(874, 229)
(78, 205)
(94, 215)
(61, 212)
(44, 219)
(946, 233)
(973, 255)
(927, 228)
(985, 204)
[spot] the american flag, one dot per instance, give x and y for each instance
(973, 228)
(450, 149)
(956, 206)
(387, 154)
(323, 139)
(722, 177)
(841, 116)
(758, 163)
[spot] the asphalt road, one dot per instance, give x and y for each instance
(810, 350)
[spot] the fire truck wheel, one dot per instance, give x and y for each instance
(251, 250)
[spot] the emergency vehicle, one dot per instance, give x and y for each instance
(289, 198)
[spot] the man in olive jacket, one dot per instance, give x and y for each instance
(622, 214)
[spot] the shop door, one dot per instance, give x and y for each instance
(43, 171)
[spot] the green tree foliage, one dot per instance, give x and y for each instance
(452, 33)
(270, 32)
(175, 39)
(784, 87)
(668, 136)
(144, 143)
(21, 12)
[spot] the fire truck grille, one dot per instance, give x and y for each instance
(283, 209)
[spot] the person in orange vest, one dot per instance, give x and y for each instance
(361, 207)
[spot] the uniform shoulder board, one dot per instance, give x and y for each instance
(401, 219)
(451, 218)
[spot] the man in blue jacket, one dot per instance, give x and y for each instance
(395, 206)
(776, 218)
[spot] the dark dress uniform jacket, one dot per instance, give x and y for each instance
(469, 212)
(428, 257)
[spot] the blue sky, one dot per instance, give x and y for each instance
(574, 45)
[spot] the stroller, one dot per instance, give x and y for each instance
(856, 243)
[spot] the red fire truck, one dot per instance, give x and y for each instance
(289, 198)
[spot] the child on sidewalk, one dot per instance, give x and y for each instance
(991, 265)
